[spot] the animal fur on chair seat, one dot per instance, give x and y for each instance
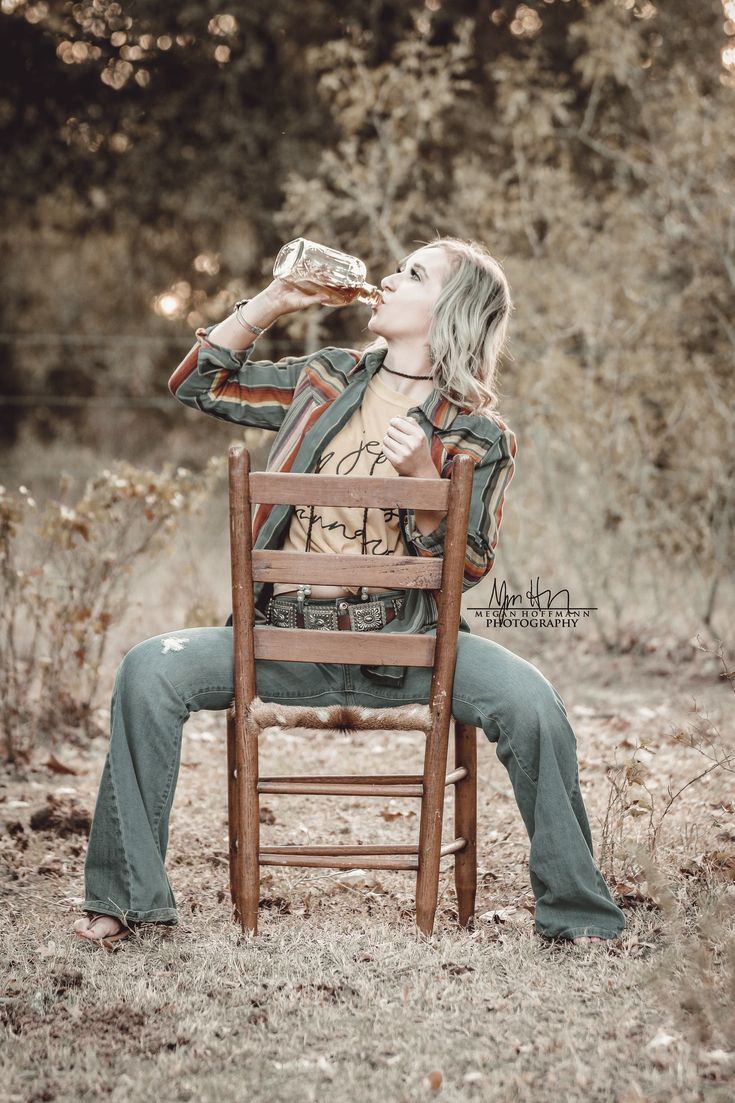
(273, 714)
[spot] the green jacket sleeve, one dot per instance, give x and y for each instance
(230, 386)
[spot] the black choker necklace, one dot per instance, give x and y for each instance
(406, 375)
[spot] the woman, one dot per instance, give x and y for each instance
(421, 393)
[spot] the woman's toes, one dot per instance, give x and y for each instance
(98, 928)
(586, 938)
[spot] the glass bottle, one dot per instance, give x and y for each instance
(303, 261)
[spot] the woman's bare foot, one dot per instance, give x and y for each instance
(102, 929)
(586, 938)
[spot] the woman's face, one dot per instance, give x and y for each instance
(409, 295)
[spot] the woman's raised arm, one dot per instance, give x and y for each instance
(217, 375)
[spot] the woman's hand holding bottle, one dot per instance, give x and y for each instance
(288, 297)
(309, 274)
(263, 310)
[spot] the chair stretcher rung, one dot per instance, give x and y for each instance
(342, 848)
(344, 790)
(450, 848)
(372, 779)
(370, 861)
(350, 857)
(366, 785)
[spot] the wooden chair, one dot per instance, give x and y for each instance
(250, 715)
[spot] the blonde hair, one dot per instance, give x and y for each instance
(469, 325)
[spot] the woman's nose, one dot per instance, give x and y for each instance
(386, 282)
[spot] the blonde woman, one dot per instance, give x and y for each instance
(405, 406)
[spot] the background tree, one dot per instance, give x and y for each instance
(158, 155)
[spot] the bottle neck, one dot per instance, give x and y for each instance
(367, 293)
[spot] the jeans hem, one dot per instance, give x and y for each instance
(155, 915)
(580, 932)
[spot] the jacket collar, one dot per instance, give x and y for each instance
(439, 409)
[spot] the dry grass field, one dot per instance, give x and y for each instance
(338, 998)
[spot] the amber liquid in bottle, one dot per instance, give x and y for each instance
(307, 262)
(342, 296)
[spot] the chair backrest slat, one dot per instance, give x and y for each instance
(314, 646)
(393, 572)
(322, 490)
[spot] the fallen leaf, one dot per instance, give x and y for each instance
(389, 814)
(433, 1080)
(456, 970)
(716, 1064)
(630, 895)
(720, 862)
(59, 767)
(325, 1067)
(500, 915)
(658, 1048)
(61, 816)
(360, 878)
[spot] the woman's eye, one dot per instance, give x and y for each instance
(415, 273)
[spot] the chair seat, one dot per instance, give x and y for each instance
(273, 714)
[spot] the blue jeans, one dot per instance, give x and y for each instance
(162, 680)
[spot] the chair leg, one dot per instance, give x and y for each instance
(232, 806)
(427, 892)
(465, 822)
(248, 820)
(430, 829)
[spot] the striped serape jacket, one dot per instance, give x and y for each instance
(306, 400)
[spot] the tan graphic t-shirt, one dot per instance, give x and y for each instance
(355, 450)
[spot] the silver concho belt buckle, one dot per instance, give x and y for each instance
(324, 619)
(281, 614)
(369, 617)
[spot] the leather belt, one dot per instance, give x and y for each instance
(335, 614)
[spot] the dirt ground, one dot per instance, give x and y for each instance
(338, 997)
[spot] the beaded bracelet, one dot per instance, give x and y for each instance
(257, 330)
